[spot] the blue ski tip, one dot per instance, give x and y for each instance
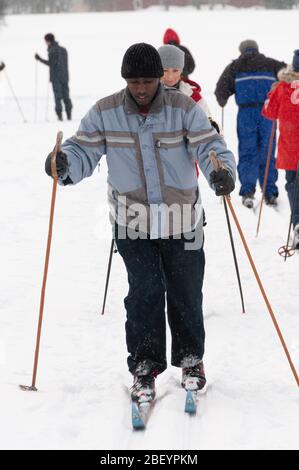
(190, 403)
(137, 421)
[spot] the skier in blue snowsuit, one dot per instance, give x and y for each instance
(250, 78)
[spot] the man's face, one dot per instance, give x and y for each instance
(143, 90)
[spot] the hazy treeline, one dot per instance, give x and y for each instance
(56, 6)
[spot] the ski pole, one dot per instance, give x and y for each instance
(222, 120)
(14, 95)
(43, 290)
(108, 274)
(270, 310)
(234, 254)
(217, 165)
(35, 91)
(47, 101)
(287, 250)
(266, 174)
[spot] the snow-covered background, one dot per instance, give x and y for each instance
(82, 403)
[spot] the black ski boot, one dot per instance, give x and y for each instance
(271, 200)
(248, 200)
(143, 389)
(296, 238)
(193, 378)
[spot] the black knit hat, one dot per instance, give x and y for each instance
(142, 60)
(49, 37)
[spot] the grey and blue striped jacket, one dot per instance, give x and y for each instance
(151, 173)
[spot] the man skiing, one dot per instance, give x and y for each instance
(151, 137)
(2, 66)
(283, 104)
(59, 75)
(250, 78)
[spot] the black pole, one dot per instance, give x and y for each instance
(108, 275)
(234, 253)
(292, 212)
(15, 96)
(222, 120)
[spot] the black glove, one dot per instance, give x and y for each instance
(223, 182)
(215, 125)
(37, 57)
(221, 101)
(2, 66)
(61, 164)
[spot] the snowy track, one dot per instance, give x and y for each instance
(252, 400)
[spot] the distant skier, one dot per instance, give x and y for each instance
(2, 66)
(59, 75)
(171, 37)
(283, 104)
(250, 78)
(151, 137)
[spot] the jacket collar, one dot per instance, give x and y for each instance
(53, 44)
(131, 107)
(288, 75)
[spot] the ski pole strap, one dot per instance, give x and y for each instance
(54, 154)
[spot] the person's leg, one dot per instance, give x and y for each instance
(145, 305)
(248, 166)
(184, 273)
(67, 101)
(290, 188)
(57, 90)
(265, 128)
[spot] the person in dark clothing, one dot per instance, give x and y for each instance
(59, 75)
(2, 66)
(171, 37)
(250, 78)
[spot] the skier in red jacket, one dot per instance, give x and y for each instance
(283, 104)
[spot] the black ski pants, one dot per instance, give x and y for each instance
(61, 93)
(156, 267)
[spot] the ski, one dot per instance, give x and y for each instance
(140, 414)
(191, 402)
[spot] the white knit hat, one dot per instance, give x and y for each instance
(172, 57)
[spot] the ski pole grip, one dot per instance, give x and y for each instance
(54, 154)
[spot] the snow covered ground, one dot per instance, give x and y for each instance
(82, 402)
